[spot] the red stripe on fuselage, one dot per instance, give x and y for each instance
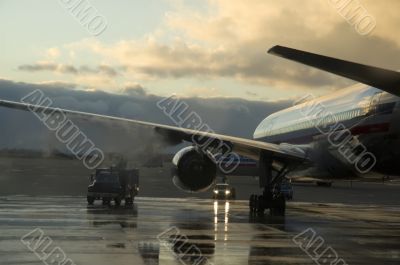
(371, 128)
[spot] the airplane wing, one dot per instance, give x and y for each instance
(386, 80)
(242, 146)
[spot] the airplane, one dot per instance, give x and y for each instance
(355, 129)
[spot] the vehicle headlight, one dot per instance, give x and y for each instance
(215, 191)
(227, 192)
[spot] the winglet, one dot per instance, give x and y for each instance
(383, 79)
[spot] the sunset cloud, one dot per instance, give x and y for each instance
(228, 40)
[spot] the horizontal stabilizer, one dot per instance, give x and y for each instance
(383, 79)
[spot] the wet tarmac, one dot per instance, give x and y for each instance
(194, 231)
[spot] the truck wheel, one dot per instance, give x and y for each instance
(90, 200)
(117, 201)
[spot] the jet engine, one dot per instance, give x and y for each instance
(193, 171)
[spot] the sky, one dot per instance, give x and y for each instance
(193, 48)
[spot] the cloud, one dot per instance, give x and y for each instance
(38, 67)
(53, 53)
(252, 94)
(232, 42)
(69, 69)
(134, 90)
(228, 39)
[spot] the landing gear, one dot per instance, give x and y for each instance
(129, 201)
(255, 203)
(260, 204)
(275, 203)
(278, 206)
(252, 203)
(272, 172)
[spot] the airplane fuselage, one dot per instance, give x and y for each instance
(338, 127)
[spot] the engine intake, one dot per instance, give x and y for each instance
(193, 171)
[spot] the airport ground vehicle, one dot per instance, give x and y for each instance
(224, 191)
(115, 184)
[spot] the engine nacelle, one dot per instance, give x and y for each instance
(193, 171)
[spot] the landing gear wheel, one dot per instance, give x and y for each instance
(90, 200)
(260, 205)
(128, 201)
(278, 206)
(252, 203)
